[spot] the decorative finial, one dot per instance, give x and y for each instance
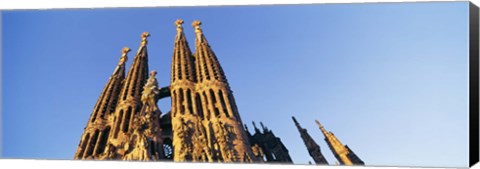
(179, 23)
(318, 123)
(196, 24)
(144, 38)
(125, 51)
(153, 73)
(294, 120)
(124, 57)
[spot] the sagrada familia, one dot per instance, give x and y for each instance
(204, 124)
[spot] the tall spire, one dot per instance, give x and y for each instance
(325, 133)
(255, 127)
(189, 135)
(263, 127)
(312, 147)
(94, 137)
(221, 118)
(182, 61)
(129, 103)
(208, 67)
(138, 73)
(343, 154)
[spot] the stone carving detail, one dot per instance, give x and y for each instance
(146, 137)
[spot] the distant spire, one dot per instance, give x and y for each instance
(296, 122)
(263, 127)
(255, 127)
(312, 147)
(325, 133)
(343, 154)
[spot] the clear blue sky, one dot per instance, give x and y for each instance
(389, 79)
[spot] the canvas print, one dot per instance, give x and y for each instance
(371, 84)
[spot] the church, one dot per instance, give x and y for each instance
(204, 124)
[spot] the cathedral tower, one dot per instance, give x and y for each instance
(189, 140)
(343, 154)
(226, 138)
(129, 103)
(96, 133)
(312, 147)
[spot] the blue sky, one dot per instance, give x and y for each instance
(389, 79)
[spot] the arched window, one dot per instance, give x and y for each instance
(125, 91)
(222, 101)
(207, 73)
(91, 145)
(198, 105)
(181, 100)
(114, 101)
(126, 120)
(207, 111)
(133, 82)
(214, 102)
(152, 147)
(120, 119)
(189, 101)
(94, 116)
(103, 140)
